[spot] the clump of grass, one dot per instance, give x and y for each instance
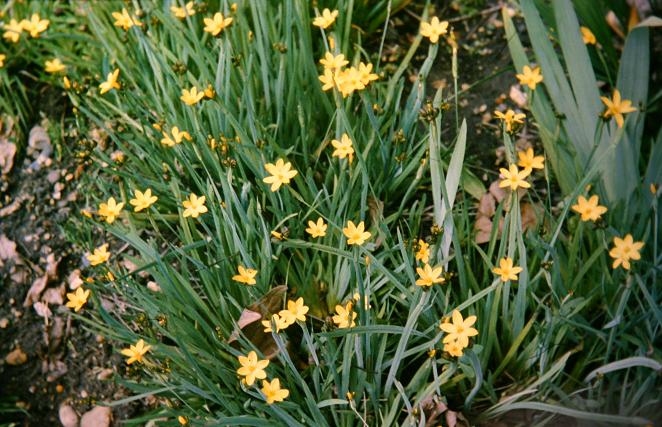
(278, 234)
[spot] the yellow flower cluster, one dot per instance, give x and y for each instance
(33, 26)
(458, 333)
(345, 80)
(253, 368)
(296, 310)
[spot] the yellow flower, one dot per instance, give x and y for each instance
(513, 178)
(218, 23)
(589, 209)
(78, 299)
(355, 233)
(273, 392)
(143, 200)
(278, 320)
(530, 77)
(510, 118)
(506, 270)
(177, 137)
(326, 19)
(296, 310)
(460, 330)
(617, 107)
(281, 173)
(35, 25)
(343, 148)
(454, 348)
(192, 96)
(348, 81)
(210, 93)
(182, 420)
(434, 29)
(624, 250)
(423, 253)
(13, 30)
(136, 352)
(252, 368)
(328, 79)
(344, 316)
(124, 20)
(332, 62)
(528, 161)
(66, 83)
(367, 76)
(2, 59)
(111, 82)
(317, 229)
(194, 206)
(100, 255)
(111, 210)
(54, 66)
(587, 36)
(246, 275)
(428, 276)
(183, 12)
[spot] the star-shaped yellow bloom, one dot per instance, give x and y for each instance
(296, 310)
(35, 25)
(110, 210)
(54, 66)
(194, 206)
(367, 76)
(177, 137)
(454, 348)
(529, 161)
(252, 368)
(349, 80)
(530, 77)
(506, 270)
(143, 200)
(218, 23)
(624, 250)
(617, 107)
(281, 174)
(183, 12)
(356, 234)
(590, 210)
(326, 19)
(124, 20)
(2, 59)
(332, 62)
(317, 229)
(510, 118)
(280, 323)
(191, 96)
(78, 299)
(344, 316)
(246, 275)
(423, 253)
(587, 36)
(111, 82)
(328, 79)
(434, 29)
(135, 353)
(272, 391)
(513, 178)
(343, 148)
(13, 30)
(460, 330)
(428, 276)
(99, 256)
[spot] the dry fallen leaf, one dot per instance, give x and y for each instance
(42, 310)
(39, 147)
(7, 250)
(99, 416)
(74, 280)
(35, 291)
(68, 416)
(7, 153)
(16, 357)
(517, 96)
(54, 296)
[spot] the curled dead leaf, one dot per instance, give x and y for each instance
(68, 416)
(16, 357)
(35, 291)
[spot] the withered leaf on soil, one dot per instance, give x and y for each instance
(16, 357)
(68, 416)
(99, 416)
(7, 250)
(7, 153)
(35, 291)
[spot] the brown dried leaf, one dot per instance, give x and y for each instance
(74, 280)
(7, 153)
(16, 357)
(517, 96)
(487, 205)
(7, 250)
(68, 416)
(35, 290)
(100, 416)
